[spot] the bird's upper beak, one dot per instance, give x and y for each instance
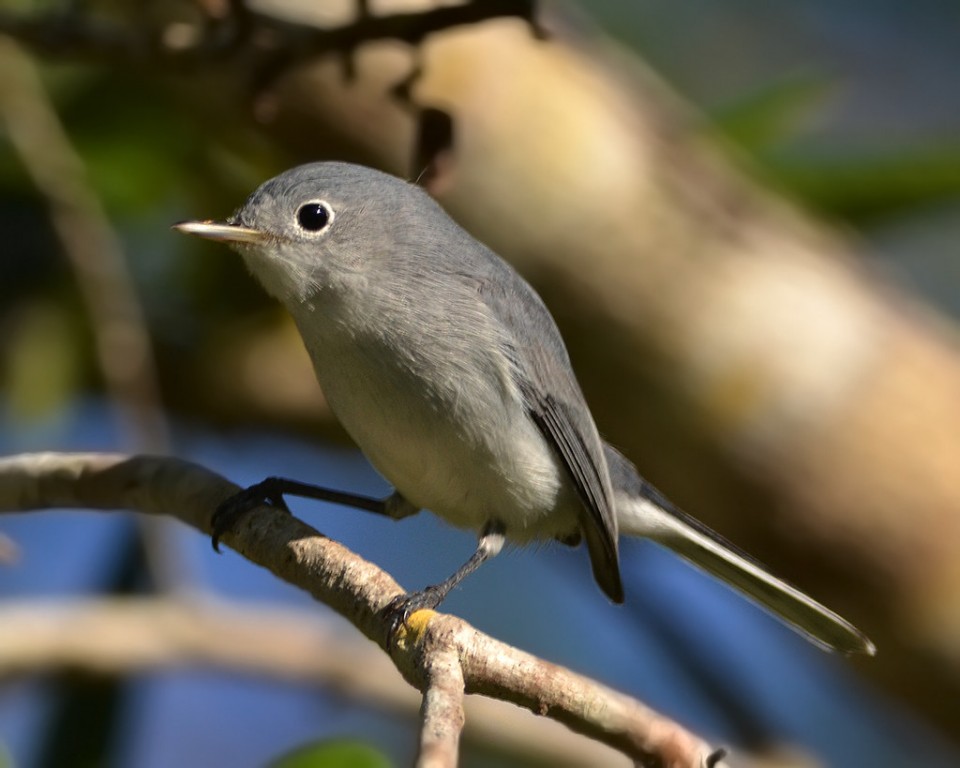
(221, 230)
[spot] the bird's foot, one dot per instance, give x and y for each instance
(401, 608)
(232, 509)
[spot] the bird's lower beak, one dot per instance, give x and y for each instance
(214, 230)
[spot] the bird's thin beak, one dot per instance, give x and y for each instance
(218, 230)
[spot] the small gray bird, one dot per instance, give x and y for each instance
(449, 372)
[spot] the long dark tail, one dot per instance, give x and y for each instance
(643, 511)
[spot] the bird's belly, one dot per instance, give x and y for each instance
(468, 453)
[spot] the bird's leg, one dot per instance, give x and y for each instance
(272, 490)
(399, 609)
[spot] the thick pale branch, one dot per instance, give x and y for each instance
(355, 588)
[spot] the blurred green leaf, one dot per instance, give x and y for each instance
(43, 361)
(844, 181)
(774, 113)
(133, 157)
(868, 185)
(339, 753)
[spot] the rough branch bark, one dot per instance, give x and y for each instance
(432, 652)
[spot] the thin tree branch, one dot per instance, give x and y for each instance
(442, 711)
(355, 588)
(82, 36)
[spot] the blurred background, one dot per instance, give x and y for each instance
(744, 216)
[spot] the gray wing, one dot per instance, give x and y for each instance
(556, 405)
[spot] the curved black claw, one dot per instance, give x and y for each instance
(401, 608)
(235, 507)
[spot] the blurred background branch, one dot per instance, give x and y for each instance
(134, 636)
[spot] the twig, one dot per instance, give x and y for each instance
(358, 590)
(442, 711)
(229, 27)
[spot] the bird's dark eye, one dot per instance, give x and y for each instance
(314, 217)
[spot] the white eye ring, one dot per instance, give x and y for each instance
(315, 216)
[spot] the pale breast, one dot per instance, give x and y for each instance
(448, 430)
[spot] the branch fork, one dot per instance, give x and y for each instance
(441, 655)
